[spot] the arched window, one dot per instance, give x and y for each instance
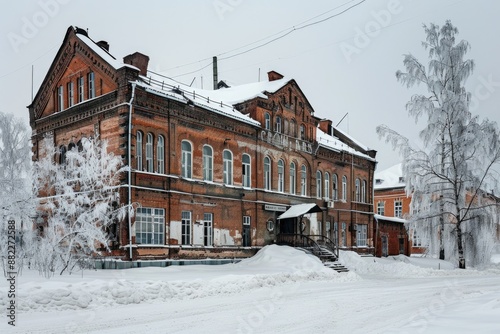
(149, 153)
(281, 176)
(344, 188)
(335, 187)
(302, 132)
(278, 124)
(357, 194)
(267, 121)
(186, 159)
(267, 173)
(138, 150)
(363, 191)
(62, 154)
(228, 167)
(293, 129)
(160, 155)
(327, 186)
(303, 180)
(246, 171)
(319, 184)
(208, 163)
(293, 180)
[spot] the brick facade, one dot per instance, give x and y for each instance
(208, 179)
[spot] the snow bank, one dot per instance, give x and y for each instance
(403, 266)
(272, 266)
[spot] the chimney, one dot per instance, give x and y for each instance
(138, 60)
(273, 75)
(104, 45)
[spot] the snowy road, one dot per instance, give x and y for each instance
(448, 301)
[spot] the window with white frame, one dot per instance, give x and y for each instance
(228, 167)
(357, 194)
(417, 240)
(398, 208)
(81, 88)
(138, 150)
(149, 153)
(278, 124)
(335, 187)
(160, 155)
(71, 94)
(208, 163)
(186, 159)
(281, 176)
(381, 208)
(361, 234)
(91, 85)
(303, 180)
(336, 233)
(293, 179)
(208, 232)
(267, 173)
(327, 186)
(319, 184)
(267, 121)
(149, 226)
(186, 228)
(60, 98)
(344, 188)
(246, 171)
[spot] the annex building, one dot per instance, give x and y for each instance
(214, 173)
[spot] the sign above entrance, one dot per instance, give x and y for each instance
(278, 208)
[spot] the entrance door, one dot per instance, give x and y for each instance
(401, 246)
(287, 226)
(246, 236)
(385, 246)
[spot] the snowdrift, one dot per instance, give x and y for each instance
(273, 265)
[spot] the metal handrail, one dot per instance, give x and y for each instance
(299, 240)
(327, 242)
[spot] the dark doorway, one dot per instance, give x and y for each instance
(287, 226)
(247, 240)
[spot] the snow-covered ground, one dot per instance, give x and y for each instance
(280, 290)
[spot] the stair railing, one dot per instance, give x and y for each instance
(326, 242)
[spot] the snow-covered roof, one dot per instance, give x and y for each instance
(391, 219)
(241, 93)
(364, 147)
(105, 55)
(334, 143)
(391, 177)
(172, 89)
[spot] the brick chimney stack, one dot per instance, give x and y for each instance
(138, 60)
(273, 75)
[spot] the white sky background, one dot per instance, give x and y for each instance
(174, 33)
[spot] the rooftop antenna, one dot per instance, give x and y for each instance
(215, 72)
(192, 82)
(259, 74)
(347, 113)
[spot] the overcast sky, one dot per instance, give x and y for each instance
(344, 62)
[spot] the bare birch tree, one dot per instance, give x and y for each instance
(451, 178)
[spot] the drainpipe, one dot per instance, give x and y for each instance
(130, 170)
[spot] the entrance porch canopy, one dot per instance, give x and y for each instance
(300, 210)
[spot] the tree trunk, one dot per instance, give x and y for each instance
(461, 258)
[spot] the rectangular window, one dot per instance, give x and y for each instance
(246, 171)
(81, 89)
(208, 229)
(336, 233)
(91, 85)
(398, 209)
(60, 98)
(186, 228)
(71, 94)
(149, 226)
(361, 230)
(380, 208)
(417, 241)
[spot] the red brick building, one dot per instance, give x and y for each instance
(212, 170)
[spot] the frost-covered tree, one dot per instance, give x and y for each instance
(79, 197)
(451, 177)
(15, 186)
